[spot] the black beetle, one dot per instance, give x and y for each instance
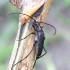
(40, 39)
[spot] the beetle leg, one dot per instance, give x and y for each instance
(34, 63)
(43, 54)
(26, 55)
(40, 56)
(26, 36)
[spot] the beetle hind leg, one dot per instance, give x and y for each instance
(43, 54)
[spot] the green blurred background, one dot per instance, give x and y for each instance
(58, 46)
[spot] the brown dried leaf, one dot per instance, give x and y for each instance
(16, 3)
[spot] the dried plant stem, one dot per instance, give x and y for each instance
(26, 45)
(30, 13)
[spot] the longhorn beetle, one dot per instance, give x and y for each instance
(40, 38)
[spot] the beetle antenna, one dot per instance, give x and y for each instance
(34, 20)
(22, 14)
(51, 26)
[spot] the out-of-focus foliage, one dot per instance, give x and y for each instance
(67, 2)
(8, 29)
(58, 46)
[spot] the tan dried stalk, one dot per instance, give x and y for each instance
(26, 45)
